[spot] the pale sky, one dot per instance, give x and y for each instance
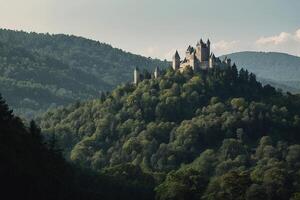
(156, 28)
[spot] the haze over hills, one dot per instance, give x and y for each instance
(43, 70)
(278, 69)
(39, 71)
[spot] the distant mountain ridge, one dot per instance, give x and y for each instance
(279, 69)
(38, 71)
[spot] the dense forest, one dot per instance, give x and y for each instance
(279, 69)
(215, 134)
(32, 169)
(40, 71)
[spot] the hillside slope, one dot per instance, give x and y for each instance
(38, 71)
(33, 169)
(279, 69)
(216, 134)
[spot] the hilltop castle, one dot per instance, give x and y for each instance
(196, 58)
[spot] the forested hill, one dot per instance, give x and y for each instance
(32, 169)
(38, 71)
(216, 134)
(280, 69)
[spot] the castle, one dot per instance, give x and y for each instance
(197, 58)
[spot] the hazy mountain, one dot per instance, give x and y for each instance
(279, 69)
(42, 70)
(38, 71)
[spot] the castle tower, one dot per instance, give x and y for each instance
(212, 61)
(156, 72)
(198, 49)
(176, 61)
(203, 51)
(189, 52)
(201, 42)
(208, 45)
(136, 76)
(193, 61)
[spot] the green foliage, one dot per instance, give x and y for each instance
(216, 134)
(182, 184)
(41, 71)
(244, 177)
(31, 169)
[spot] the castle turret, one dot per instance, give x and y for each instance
(201, 42)
(208, 45)
(193, 61)
(136, 76)
(203, 51)
(176, 61)
(156, 72)
(212, 61)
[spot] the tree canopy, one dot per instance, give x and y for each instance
(213, 134)
(41, 71)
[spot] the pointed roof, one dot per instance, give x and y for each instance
(176, 55)
(190, 49)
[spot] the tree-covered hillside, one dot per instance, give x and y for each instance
(29, 169)
(32, 169)
(38, 71)
(216, 134)
(280, 69)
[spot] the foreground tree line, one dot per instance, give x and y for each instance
(31, 169)
(216, 134)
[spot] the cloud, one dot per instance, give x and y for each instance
(297, 35)
(275, 40)
(283, 42)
